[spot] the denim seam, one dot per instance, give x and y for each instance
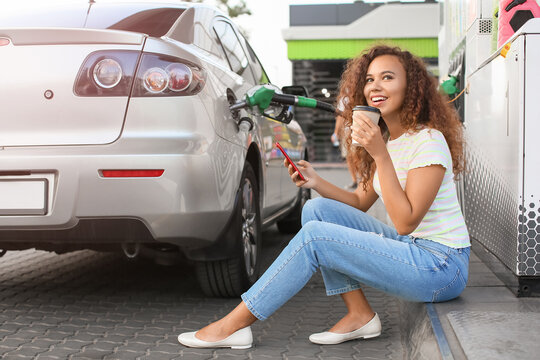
(278, 270)
(462, 277)
(439, 254)
(343, 290)
(382, 254)
(252, 309)
(437, 292)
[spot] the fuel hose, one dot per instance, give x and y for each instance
(302, 101)
(263, 97)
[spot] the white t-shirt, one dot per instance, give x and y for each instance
(444, 221)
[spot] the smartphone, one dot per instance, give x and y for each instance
(290, 161)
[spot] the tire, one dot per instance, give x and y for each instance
(293, 222)
(231, 277)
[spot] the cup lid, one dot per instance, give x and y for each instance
(366, 108)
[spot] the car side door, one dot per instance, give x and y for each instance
(236, 51)
(271, 131)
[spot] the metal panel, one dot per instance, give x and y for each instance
(529, 229)
(492, 183)
(478, 44)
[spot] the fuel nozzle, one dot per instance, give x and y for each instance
(238, 105)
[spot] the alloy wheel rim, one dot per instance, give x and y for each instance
(249, 227)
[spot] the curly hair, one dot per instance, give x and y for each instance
(423, 106)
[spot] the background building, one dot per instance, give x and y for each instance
(321, 38)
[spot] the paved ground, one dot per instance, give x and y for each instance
(88, 305)
(99, 306)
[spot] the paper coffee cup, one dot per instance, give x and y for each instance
(371, 112)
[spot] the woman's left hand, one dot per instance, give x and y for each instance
(368, 134)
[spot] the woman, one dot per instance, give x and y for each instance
(409, 160)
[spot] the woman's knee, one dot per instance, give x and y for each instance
(304, 242)
(307, 233)
(312, 209)
(309, 210)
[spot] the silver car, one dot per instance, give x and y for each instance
(116, 134)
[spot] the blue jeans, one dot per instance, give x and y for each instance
(352, 248)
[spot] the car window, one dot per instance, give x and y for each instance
(206, 40)
(154, 22)
(204, 36)
(231, 47)
(258, 70)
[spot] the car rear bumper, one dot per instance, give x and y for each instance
(188, 205)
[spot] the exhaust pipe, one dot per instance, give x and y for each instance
(131, 250)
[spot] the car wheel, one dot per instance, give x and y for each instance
(231, 277)
(293, 222)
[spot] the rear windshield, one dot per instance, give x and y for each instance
(141, 18)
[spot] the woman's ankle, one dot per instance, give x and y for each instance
(364, 317)
(213, 332)
(237, 319)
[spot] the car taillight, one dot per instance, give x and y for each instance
(180, 76)
(112, 72)
(160, 75)
(155, 80)
(4, 41)
(107, 73)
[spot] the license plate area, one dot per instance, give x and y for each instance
(24, 196)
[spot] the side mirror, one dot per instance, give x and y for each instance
(297, 90)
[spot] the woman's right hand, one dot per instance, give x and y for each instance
(307, 170)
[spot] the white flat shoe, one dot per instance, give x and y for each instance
(241, 339)
(370, 330)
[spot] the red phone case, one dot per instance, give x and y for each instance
(290, 161)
